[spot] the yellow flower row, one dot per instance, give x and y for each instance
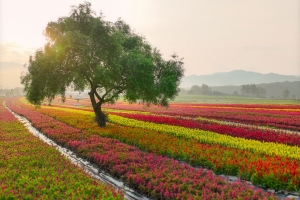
(208, 137)
(88, 111)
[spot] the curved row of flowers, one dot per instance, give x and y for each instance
(269, 171)
(31, 169)
(209, 137)
(279, 118)
(248, 133)
(157, 176)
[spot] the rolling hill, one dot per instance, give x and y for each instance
(236, 77)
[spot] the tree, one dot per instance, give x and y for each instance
(183, 91)
(285, 93)
(243, 90)
(253, 89)
(205, 90)
(248, 89)
(195, 90)
(261, 92)
(85, 51)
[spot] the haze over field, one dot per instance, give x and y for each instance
(260, 36)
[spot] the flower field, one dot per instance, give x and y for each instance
(266, 135)
(257, 165)
(136, 156)
(277, 116)
(31, 169)
(284, 117)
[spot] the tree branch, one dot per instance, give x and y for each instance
(119, 87)
(98, 96)
(114, 95)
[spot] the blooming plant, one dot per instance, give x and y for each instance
(157, 176)
(31, 169)
(244, 163)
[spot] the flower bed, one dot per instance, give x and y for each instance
(270, 171)
(208, 137)
(277, 116)
(248, 133)
(154, 175)
(271, 115)
(31, 169)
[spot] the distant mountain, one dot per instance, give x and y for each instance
(237, 77)
(10, 73)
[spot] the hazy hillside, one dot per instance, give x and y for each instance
(237, 77)
(273, 89)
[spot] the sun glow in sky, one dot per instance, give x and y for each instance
(212, 36)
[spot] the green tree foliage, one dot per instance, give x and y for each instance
(84, 50)
(197, 90)
(285, 93)
(235, 93)
(205, 90)
(183, 91)
(253, 90)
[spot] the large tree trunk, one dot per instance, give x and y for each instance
(100, 117)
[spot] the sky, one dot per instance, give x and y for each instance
(211, 35)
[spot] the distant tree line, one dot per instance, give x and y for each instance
(253, 90)
(286, 93)
(201, 90)
(12, 92)
(278, 90)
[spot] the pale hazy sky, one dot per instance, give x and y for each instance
(212, 35)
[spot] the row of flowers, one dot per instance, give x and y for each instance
(262, 133)
(269, 171)
(278, 116)
(279, 119)
(31, 169)
(266, 135)
(154, 175)
(208, 137)
(279, 107)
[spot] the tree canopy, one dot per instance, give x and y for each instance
(253, 90)
(285, 93)
(197, 90)
(85, 51)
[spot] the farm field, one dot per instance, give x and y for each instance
(206, 108)
(278, 116)
(205, 99)
(168, 137)
(31, 169)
